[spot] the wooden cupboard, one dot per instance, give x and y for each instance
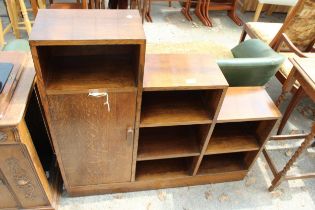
(23, 181)
(90, 79)
(119, 125)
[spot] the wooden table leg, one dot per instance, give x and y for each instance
(186, 10)
(281, 175)
(148, 11)
(233, 16)
(295, 100)
(207, 12)
(199, 14)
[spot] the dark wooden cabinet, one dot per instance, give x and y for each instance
(90, 85)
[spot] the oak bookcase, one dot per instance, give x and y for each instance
(171, 122)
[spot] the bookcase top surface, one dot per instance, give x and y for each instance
(81, 26)
(247, 104)
(182, 72)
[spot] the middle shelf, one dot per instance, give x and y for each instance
(169, 142)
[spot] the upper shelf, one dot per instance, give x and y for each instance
(80, 74)
(247, 104)
(182, 72)
(78, 26)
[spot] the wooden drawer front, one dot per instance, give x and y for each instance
(6, 198)
(21, 176)
(7, 135)
(94, 144)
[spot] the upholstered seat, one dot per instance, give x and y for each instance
(254, 63)
(279, 2)
(264, 31)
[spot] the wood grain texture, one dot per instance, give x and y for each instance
(93, 142)
(20, 175)
(167, 142)
(174, 108)
(79, 74)
(247, 104)
(18, 60)
(162, 169)
(182, 72)
(16, 108)
(7, 199)
(158, 184)
(240, 137)
(214, 164)
(79, 27)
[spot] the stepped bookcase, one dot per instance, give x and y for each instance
(119, 125)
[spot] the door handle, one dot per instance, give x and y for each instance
(130, 135)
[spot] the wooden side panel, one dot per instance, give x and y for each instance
(94, 144)
(20, 175)
(6, 198)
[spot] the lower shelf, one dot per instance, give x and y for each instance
(224, 163)
(162, 169)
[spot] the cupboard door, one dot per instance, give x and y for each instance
(6, 198)
(20, 174)
(94, 141)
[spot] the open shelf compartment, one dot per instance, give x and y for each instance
(234, 137)
(170, 141)
(225, 163)
(163, 169)
(168, 108)
(80, 68)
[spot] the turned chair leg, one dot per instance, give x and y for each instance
(11, 6)
(281, 175)
(258, 11)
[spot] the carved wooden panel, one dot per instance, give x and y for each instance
(8, 135)
(92, 137)
(6, 197)
(18, 171)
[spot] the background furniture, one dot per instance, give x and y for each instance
(295, 35)
(254, 63)
(148, 6)
(204, 6)
(303, 72)
(23, 182)
(251, 5)
(289, 3)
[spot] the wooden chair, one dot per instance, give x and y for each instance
(273, 3)
(19, 22)
(148, 5)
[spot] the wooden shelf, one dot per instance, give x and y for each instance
(82, 73)
(223, 163)
(247, 104)
(182, 72)
(174, 108)
(167, 142)
(162, 169)
(233, 137)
